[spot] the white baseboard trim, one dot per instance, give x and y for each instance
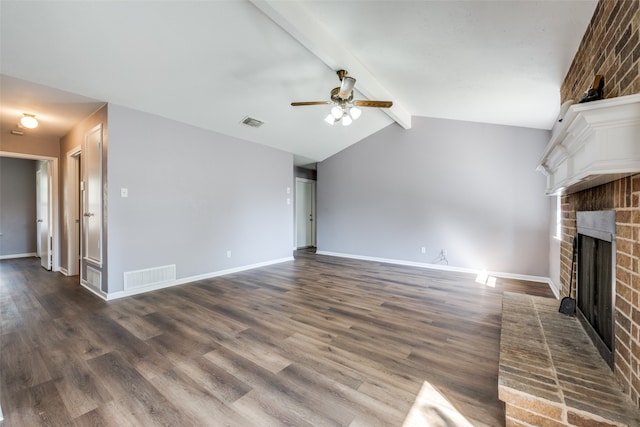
(94, 291)
(13, 256)
(554, 288)
(503, 275)
(122, 294)
(65, 271)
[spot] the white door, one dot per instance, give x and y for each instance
(73, 213)
(92, 203)
(305, 213)
(43, 212)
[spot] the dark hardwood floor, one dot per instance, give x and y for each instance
(320, 341)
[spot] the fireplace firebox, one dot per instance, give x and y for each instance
(595, 293)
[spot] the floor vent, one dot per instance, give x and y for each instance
(149, 277)
(94, 277)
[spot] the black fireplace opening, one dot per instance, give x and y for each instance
(595, 280)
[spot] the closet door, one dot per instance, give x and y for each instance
(43, 209)
(92, 214)
(305, 213)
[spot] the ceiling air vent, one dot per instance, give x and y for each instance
(250, 121)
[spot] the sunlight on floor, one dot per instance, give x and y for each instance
(432, 409)
(484, 279)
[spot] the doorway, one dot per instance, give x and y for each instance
(305, 213)
(83, 215)
(49, 173)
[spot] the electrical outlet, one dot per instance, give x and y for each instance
(423, 250)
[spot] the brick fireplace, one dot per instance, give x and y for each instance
(550, 371)
(623, 197)
(611, 47)
(552, 366)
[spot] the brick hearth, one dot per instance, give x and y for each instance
(550, 372)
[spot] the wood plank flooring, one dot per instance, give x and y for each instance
(319, 341)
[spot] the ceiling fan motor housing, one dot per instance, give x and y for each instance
(335, 96)
(343, 95)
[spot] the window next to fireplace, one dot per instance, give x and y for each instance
(596, 278)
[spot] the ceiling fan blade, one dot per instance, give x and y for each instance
(299, 104)
(346, 87)
(375, 104)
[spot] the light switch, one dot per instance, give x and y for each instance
(124, 192)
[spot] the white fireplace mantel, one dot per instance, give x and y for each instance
(596, 142)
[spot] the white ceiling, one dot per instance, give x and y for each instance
(211, 63)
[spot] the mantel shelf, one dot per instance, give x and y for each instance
(596, 143)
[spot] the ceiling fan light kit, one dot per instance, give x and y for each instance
(345, 114)
(345, 109)
(330, 119)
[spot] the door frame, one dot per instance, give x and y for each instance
(55, 226)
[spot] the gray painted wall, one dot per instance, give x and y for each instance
(17, 206)
(192, 196)
(468, 188)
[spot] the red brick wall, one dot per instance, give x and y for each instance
(611, 47)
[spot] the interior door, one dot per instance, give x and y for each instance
(74, 213)
(92, 203)
(305, 213)
(43, 211)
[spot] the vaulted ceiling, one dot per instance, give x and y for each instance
(212, 63)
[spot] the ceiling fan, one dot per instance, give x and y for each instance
(345, 107)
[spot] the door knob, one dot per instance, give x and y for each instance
(88, 214)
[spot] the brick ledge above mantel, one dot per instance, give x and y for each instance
(550, 372)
